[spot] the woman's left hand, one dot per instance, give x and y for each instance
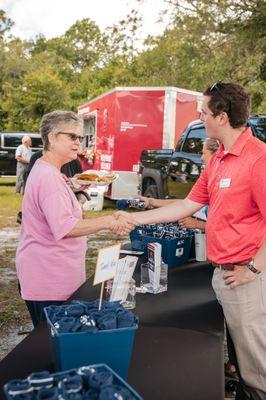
(77, 187)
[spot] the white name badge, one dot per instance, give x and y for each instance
(224, 183)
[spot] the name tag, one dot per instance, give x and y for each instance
(224, 183)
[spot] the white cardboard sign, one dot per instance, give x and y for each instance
(106, 263)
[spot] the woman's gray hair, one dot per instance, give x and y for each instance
(53, 122)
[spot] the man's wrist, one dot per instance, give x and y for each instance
(150, 203)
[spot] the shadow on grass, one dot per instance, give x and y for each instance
(2, 183)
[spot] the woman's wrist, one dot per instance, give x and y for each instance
(109, 221)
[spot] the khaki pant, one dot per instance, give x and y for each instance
(244, 309)
(21, 171)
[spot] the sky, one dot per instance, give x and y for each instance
(53, 17)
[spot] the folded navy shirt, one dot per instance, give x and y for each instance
(84, 316)
(100, 379)
(83, 383)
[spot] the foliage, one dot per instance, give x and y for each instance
(205, 41)
(5, 23)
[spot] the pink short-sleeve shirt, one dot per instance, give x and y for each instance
(49, 265)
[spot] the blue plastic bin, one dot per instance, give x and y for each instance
(98, 368)
(111, 347)
(174, 251)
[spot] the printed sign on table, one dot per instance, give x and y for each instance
(106, 263)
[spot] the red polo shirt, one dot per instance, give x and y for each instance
(234, 186)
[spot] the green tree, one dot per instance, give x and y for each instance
(209, 41)
(41, 91)
(5, 23)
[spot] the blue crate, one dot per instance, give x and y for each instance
(98, 368)
(74, 349)
(174, 251)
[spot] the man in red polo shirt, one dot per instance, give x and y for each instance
(233, 184)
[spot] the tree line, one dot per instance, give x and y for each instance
(205, 41)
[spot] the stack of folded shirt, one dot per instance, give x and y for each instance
(83, 316)
(84, 383)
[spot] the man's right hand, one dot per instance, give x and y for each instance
(121, 224)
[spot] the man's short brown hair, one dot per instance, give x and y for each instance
(232, 99)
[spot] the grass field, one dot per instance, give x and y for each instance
(12, 308)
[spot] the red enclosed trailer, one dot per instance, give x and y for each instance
(122, 122)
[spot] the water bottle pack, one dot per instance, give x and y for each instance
(136, 203)
(166, 231)
(123, 204)
(175, 241)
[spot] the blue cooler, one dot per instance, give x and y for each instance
(55, 378)
(175, 251)
(112, 347)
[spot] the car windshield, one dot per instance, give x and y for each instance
(260, 130)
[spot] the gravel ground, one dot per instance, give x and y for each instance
(12, 337)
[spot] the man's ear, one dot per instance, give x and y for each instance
(223, 118)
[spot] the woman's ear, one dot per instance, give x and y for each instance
(51, 138)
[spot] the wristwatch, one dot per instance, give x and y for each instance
(251, 267)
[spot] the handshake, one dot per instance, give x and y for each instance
(121, 222)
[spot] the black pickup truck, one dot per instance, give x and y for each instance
(172, 173)
(9, 141)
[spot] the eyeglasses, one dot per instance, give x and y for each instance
(72, 136)
(215, 86)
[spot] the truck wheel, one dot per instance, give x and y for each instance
(151, 191)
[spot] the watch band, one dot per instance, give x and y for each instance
(251, 267)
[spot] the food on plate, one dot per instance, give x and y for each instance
(108, 178)
(88, 177)
(96, 178)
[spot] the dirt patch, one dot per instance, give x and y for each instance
(12, 336)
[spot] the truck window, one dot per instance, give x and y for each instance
(12, 141)
(180, 143)
(194, 141)
(259, 130)
(36, 143)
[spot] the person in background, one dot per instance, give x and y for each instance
(50, 258)
(210, 146)
(233, 185)
(23, 155)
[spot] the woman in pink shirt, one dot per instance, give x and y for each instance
(50, 258)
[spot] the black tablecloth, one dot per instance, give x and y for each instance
(178, 349)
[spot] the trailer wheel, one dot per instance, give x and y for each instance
(152, 191)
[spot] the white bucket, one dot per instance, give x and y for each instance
(200, 246)
(96, 199)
